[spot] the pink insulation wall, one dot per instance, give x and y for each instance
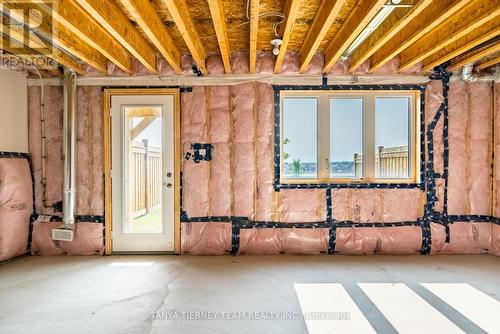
(238, 121)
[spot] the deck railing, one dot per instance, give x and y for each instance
(390, 162)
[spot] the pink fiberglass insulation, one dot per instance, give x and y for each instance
(163, 66)
(302, 206)
(220, 165)
(260, 241)
(214, 65)
(206, 238)
(89, 180)
(115, 70)
(88, 240)
(363, 68)
(187, 64)
(265, 63)
(433, 100)
(401, 205)
(239, 63)
(340, 67)
(288, 240)
(243, 146)
(465, 238)
(138, 68)
(366, 205)
(53, 133)
(16, 206)
(495, 240)
(379, 240)
(291, 63)
(195, 175)
(389, 67)
(480, 148)
(341, 204)
(458, 161)
(264, 153)
(496, 136)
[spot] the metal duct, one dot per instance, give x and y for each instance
(69, 150)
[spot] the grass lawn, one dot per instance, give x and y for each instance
(149, 223)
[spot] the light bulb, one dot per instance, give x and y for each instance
(276, 50)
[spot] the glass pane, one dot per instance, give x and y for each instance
(143, 170)
(346, 138)
(299, 140)
(392, 133)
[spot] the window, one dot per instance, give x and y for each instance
(349, 136)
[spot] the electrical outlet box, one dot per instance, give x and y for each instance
(63, 234)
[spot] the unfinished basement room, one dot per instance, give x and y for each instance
(249, 166)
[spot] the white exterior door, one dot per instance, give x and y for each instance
(142, 173)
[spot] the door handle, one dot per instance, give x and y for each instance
(169, 185)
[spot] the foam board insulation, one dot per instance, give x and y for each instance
(238, 120)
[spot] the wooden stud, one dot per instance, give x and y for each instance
(217, 13)
(327, 13)
(254, 31)
(182, 18)
(459, 25)
(359, 18)
(82, 24)
(112, 18)
(139, 128)
(148, 20)
(399, 18)
(291, 12)
(488, 63)
(429, 19)
(475, 56)
(466, 43)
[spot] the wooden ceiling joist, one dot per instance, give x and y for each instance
(60, 37)
(481, 35)
(459, 25)
(327, 13)
(34, 45)
(217, 13)
(112, 18)
(359, 18)
(432, 16)
(488, 63)
(150, 22)
(474, 56)
(254, 32)
(179, 11)
(395, 22)
(291, 12)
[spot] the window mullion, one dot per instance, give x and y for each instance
(369, 138)
(323, 137)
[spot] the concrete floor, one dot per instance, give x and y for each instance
(119, 294)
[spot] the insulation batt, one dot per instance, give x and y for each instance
(87, 241)
(16, 206)
(465, 238)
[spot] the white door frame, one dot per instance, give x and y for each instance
(108, 151)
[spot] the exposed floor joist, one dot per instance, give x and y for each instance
(481, 35)
(435, 14)
(456, 27)
(327, 13)
(254, 32)
(474, 56)
(488, 63)
(60, 36)
(182, 18)
(112, 18)
(291, 11)
(217, 13)
(82, 24)
(392, 25)
(361, 15)
(148, 19)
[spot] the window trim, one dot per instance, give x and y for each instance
(368, 93)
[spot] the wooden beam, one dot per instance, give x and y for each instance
(254, 32)
(429, 19)
(481, 35)
(474, 56)
(137, 130)
(217, 13)
(325, 16)
(464, 22)
(148, 19)
(392, 25)
(488, 63)
(143, 112)
(30, 41)
(291, 12)
(38, 20)
(182, 18)
(112, 18)
(359, 18)
(82, 24)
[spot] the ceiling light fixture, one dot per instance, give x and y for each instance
(277, 41)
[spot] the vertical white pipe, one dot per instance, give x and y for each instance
(69, 149)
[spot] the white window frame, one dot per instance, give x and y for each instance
(323, 129)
